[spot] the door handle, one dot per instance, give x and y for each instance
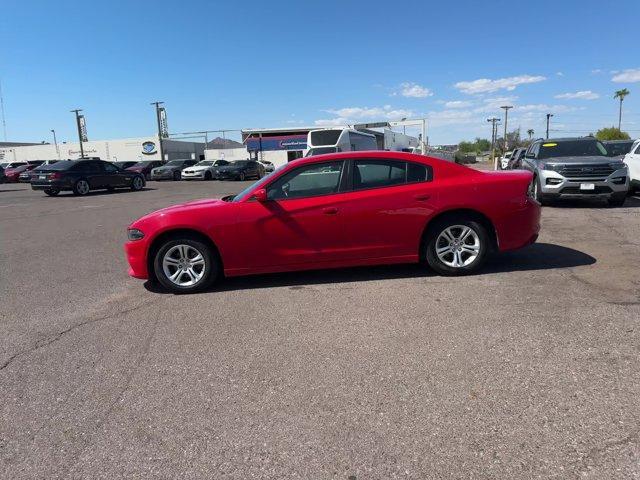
(422, 196)
(330, 210)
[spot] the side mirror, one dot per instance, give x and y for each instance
(260, 195)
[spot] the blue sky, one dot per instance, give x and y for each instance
(229, 64)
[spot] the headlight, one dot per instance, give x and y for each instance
(134, 234)
(618, 165)
(549, 166)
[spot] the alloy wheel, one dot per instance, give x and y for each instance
(183, 265)
(137, 183)
(82, 187)
(458, 246)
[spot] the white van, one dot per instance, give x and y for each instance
(333, 140)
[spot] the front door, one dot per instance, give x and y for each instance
(301, 223)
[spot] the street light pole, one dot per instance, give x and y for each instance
(494, 130)
(157, 104)
(77, 112)
(549, 115)
(506, 116)
(55, 142)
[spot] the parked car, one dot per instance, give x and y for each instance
(339, 210)
(618, 148)
(171, 170)
(632, 160)
(27, 175)
(575, 168)
(268, 166)
(2, 176)
(204, 170)
(144, 167)
(504, 160)
(6, 165)
(12, 174)
(81, 176)
(124, 165)
(515, 162)
(240, 170)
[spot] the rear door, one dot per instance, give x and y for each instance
(114, 177)
(388, 207)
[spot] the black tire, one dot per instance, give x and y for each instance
(176, 176)
(52, 192)
(616, 201)
(480, 240)
(242, 177)
(207, 176)
(537, 192)
(137, 183)
(210, 272)
(111, 189)
(81, 187)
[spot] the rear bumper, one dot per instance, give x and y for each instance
(46, 184)
(520, 227)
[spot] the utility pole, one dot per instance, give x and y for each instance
(157, 104)
(4, 123)
(506, 116)
(549, 115)
(494, 130)
(77, 112)
(55, 142)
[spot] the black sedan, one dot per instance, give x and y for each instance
(81, 176)
(171, 170)
(241, 170)
(124, 165)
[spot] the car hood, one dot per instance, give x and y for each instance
(171, 168)
(182, 207)
(590, 159)
(199, 168)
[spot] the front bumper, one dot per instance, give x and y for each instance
(161, 175)
(553, 184)
(193, 176)
(136, 251)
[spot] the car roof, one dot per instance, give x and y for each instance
(566, 139)
(619, 141)
(409, 157)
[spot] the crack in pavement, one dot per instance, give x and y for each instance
(57, 336)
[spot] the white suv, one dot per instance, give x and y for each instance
(632, 159)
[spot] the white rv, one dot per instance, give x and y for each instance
(332, 140)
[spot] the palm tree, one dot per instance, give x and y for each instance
(621, 94)
(530, 132)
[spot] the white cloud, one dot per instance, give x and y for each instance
(451, 117)
(627, 76)
(543, 107)
(493, 104)
(349, 115)
(583, 95)
(413, 90)
(596, 71)
(560, 74)
(486, 85)
(458, 104)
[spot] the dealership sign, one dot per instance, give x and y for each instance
(280, 142)
(148, 148)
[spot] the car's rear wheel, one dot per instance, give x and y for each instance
(52, 192)
(242, 177)
(81, 187)
(457, 246)
(185, 265)
(137, 183)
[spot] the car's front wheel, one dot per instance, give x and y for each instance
(137, 183)
(207, 176)
(185, 265)
(540, 197)
(81, 187)
(457, 246)
(617, 201)
(52, 192)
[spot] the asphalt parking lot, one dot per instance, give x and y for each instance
(528, 370)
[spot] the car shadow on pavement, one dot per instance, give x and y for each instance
(13, 190)
(631, 202)
(97, 193)
(539, 256)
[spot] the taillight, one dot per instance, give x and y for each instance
(55, 176)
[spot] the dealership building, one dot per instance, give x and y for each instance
(275, 145)
(125, 149)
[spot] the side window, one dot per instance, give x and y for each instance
(308, 181)
(418, 173)
(85, 167)
(533, 150)
(378, 173)
(110, 168)
(637, 152)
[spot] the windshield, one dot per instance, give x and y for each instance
(141, 164)
(63, 165)
(322, 151)
(174, 162)
(240, 163)
(242, 195)
(572, 148)
(205, 163)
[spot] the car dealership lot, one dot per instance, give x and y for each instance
(530, 369)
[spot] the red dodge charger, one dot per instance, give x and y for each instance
(339, 210)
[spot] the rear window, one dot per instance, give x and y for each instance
(61, 165)
(621, 148)
(325, 137)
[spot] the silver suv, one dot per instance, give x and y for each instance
(575, 168)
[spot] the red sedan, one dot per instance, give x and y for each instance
(13, 174)
(339, 210)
